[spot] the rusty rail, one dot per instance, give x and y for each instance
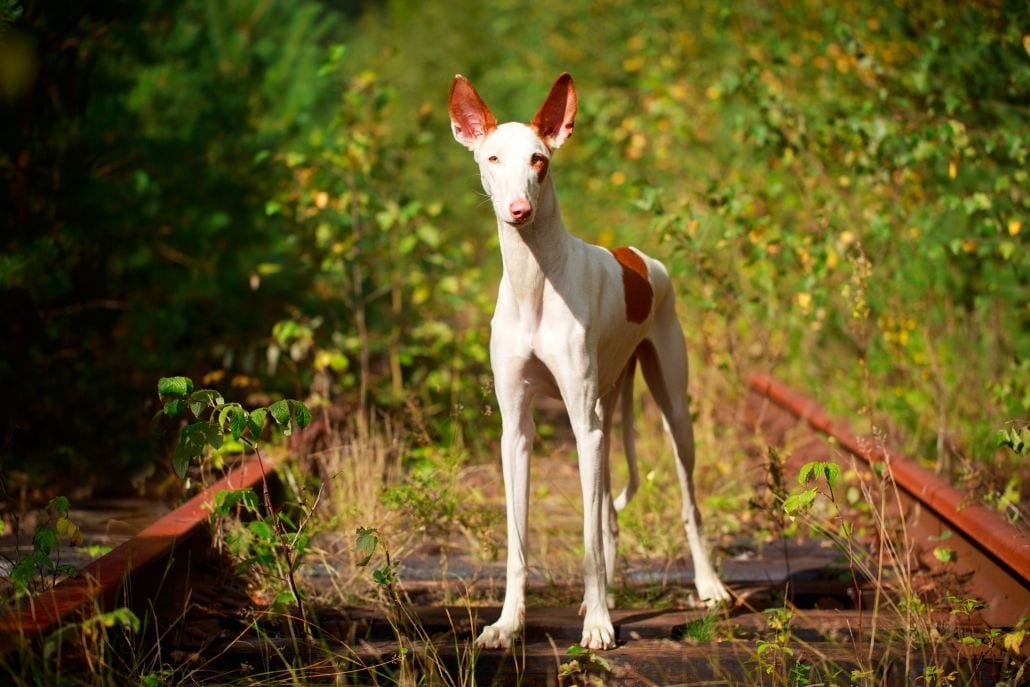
(144, 560)
(996, 553)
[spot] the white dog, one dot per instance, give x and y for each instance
(572, 320)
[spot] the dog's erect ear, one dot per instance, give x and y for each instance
(554, 120)
(471, 119)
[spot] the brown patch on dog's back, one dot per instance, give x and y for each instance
(638, 292)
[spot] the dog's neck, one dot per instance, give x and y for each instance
(534, 253)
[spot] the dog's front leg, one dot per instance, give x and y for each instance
(598, 632)
(517, 431)
(586, 413)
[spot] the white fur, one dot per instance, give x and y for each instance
(560, 329)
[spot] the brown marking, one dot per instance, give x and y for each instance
(470, 117)
(539, 163)
(554, 121)
(635, 285)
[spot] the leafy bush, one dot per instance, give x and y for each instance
(266, 193)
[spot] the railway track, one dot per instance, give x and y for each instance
(802, 616)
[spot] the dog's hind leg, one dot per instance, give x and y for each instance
(663, 359)
(628, 439)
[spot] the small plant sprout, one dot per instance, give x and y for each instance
(42, 567)
(586, 665)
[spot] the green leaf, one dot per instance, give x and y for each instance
(798, 502)
(944, 555)
(384, 576)
(365, 545)
(829, 471)
(1017, 439)
(59, 505)
(174, 386)
(301, 414)
(256, 422)
(228, 499)
(212, 435)
(192, 441)
(280, 412)
(261, 529)
(174, 407)
(233, 418)
(45, 540)
(200, 400)
(238, 423)
(118, 617)
(24, 570)
(181, 459)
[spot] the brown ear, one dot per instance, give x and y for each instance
(554, 120)
(471, 119)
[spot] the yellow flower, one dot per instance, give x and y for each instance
(1015, 226)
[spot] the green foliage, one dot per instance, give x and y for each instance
(119, 617)
(586, 665)
(773, 653)
(213, 419)
(137, 210)
(368, 540)
(438, 504)
(269, 544)
(40, 568)
(809, 471)
(1016, 439)
(800, 502)
(365, 545)
(267, 193)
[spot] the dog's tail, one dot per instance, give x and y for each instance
(628, 442)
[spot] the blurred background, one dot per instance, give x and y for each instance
(265, 195)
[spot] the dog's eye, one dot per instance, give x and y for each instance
(493, 158)
(538, 160)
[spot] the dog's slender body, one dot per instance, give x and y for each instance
(572, 321)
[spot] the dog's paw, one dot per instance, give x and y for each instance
(598, 633)
(497, 636)
(598, 636)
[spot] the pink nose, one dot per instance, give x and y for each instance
(520, 210)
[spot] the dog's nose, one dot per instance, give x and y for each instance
(520, 210)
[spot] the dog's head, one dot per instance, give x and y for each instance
(513, 158)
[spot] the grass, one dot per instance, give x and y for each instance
(442, 511)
